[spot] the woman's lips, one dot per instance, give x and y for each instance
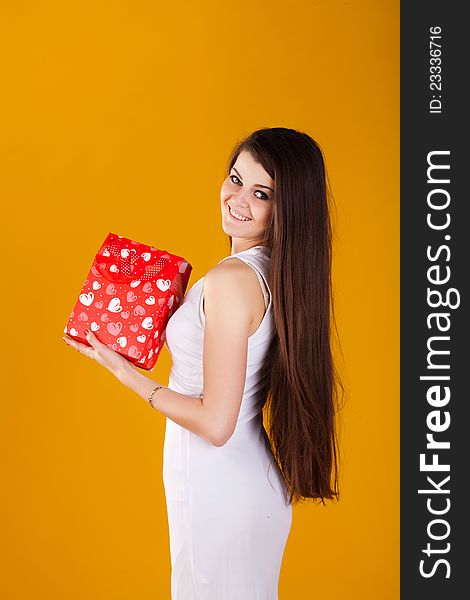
(235, 218)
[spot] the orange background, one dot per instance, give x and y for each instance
(119, 116)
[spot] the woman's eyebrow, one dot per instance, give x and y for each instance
(256, 185)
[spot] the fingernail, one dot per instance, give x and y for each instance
(87, 331)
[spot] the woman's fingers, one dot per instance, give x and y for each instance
(93, 340)
(100, 352)
(83, 348)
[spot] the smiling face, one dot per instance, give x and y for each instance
(248, 192)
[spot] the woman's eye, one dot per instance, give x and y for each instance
(232, 176)
(263, 197)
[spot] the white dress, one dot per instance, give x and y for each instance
(229, 516)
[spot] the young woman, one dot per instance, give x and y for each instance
(253, 334)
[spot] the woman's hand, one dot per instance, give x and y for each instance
(111, 360)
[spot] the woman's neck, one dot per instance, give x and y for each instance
(236, 248)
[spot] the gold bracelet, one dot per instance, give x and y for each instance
(153, 392)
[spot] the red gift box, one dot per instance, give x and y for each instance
(129, 295)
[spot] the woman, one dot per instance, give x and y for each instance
(253, 333)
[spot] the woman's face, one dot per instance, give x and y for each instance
(248, 190)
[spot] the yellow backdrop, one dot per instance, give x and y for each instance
(119, 116)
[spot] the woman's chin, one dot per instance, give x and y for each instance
(228, 226)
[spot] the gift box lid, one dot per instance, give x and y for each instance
(121, 259)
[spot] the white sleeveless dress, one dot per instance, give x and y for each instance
(228, 512)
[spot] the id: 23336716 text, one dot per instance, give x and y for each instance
(435, 70)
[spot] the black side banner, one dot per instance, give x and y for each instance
(435, 256)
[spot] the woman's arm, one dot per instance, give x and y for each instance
(187, 411)
(227, 320)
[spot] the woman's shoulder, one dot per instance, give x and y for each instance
(234, 278)
(230, 271)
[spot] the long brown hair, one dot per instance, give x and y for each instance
(301, 402)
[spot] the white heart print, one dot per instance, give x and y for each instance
(94, 326)
(122, 341)
(150, 300)
(147, 323)
(163, 284)
(114, 269)
(141, 338)
(106, 252)
(96, 285)
(87, 299)
(73, 331)
(114, 305)
(135, 283)
(125, 252)
(146, 256)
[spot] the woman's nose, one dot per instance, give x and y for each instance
(240, 199)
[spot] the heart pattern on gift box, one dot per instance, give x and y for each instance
(147, 323)
(114, 328)
(87, 299)
(114, 305)
(163, 284)
(122, 341)
(134, 353)
(128, 315)
(125, 252)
